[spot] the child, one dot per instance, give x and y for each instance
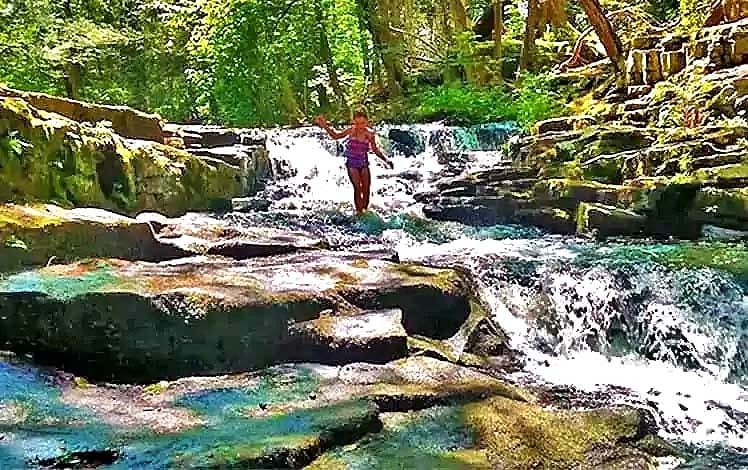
(360, 140)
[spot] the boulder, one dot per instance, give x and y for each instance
(564, 124)
(125, 121)
(598, 220)
(44, 156)
(406, 142)
(727, 208)
(567, 193)
(37, 235)
(506, 434)
(369, 336)
(208, 136)
(282, 417)
(725, 176)
(550, 219)
(519, 435)
(124, 320)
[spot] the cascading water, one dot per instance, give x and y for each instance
(630, 320)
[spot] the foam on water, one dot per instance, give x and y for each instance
(663, 326)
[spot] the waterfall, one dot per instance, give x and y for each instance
(585, 314)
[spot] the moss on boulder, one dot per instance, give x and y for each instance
(47, 157)
(601, 221)
(125, 121)
(36, 235)
(524, 436)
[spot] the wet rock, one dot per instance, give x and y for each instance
(124, 320)
(499, 433)
(406, 142)
(281, 417)
(209, 136)
(521, 435)
(727, 208)
(550, 219)
(37, 235)
(125, 121)
(251, 204)
(368, 337)
(598, 220)
(205, 235)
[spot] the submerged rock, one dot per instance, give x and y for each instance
(283, 417)
(139, 321)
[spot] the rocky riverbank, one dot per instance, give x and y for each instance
(82, 155)
(664, 156)
(144, 337)
(399, 361)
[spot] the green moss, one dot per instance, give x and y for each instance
(74, 165)
(424, 440)
(523, 436)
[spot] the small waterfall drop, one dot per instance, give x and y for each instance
(611, 318)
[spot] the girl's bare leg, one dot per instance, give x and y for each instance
(365, 188)
(355, 176)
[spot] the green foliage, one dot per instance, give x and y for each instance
(531, 102)
(255, 62)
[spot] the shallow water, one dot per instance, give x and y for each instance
(663, 325)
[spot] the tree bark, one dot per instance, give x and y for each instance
(498, 36)
(605, 32)
(389, 45)
(531, 30)
(327, 56)
(498, 27)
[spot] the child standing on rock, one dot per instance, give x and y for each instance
(361, 140)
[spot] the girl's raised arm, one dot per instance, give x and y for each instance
(322, 122)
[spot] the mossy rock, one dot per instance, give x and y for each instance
(47, 157)
(36, 235)
(125, 121)
(567, 194)
(601, 221)
(602, 140)
(524, 436)
(123, 320)
(726, 208)
(729, 176)
(282, 417)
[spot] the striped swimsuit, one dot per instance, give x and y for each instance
(357, 154)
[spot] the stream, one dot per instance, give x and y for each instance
(618, 322)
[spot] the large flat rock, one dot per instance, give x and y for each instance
(205, 235)
(35, 235)
(283, 417)
(125, 320)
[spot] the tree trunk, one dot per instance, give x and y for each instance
(72, 80)
(459, 15)
(531, 30)
(389, 45)
(498, 36)
(605, 32)
(327, 57)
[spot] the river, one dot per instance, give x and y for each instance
(634, 321)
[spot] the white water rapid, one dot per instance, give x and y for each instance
(609, 319)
